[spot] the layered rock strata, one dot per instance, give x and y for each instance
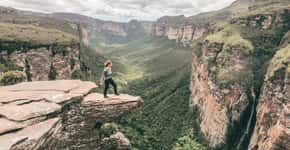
(57, 114)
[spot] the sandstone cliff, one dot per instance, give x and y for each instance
(185, 30)
(228, 72)
(182, 32)
(218, 90)
(58, 115)
(272, 129)
(43, 54)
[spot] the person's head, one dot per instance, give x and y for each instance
(108, 63)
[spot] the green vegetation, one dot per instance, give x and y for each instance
(34, 35)
(230, 36)
(256, 48)
(267, 7)
(188, 142)
(280, 61)
(159, 72)
(233, 47)
(251, 44)
(286, 40)
(14, 16)
(26, 37)
(108, 129)
(6, 65)
(12, 77)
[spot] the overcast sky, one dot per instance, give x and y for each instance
(120, 10)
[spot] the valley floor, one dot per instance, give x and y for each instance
(158, 71)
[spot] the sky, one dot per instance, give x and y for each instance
(120, 10)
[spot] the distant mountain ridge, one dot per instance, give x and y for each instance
(110, 31)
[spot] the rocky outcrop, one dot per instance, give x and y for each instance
(57, 115)
(182, 34)
(121, 141)
(228, 73)
(216, 91)
(272, 130)
(264, 21)
(44, 63)
(42, 53)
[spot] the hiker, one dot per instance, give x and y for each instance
(108, 79)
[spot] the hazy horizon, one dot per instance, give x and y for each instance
(120, 10)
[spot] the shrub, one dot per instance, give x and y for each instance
(12, 77)
(108, 129)
(77, 74)
(188, 142)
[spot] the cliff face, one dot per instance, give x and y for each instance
(228, 72)
(264, 21)
(183, 34)
(185, 30)
(42, 64)
(217, 89)
(58, 115)
(272, 126)
(42, 53)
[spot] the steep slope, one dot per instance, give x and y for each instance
(23, 46)
(272, 126)
(228, 72)
(184, 30)
(45, 48)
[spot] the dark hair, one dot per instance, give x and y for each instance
(107, 63)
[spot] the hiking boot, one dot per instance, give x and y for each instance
(117, 94)
(106, 96)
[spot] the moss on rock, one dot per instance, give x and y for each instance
(281, 60)
(230, 35)
(12, 77)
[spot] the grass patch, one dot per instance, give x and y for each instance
(280, 60)
(230, 36)
(34, 35)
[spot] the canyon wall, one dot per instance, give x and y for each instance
(230, 76)
(46, 63)
(184, 34)
(42, 52)
(272, 130)
(217, 89)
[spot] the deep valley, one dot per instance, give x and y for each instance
(216, 80)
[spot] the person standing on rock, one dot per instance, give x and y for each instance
(108, 78)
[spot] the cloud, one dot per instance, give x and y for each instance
(120, 10)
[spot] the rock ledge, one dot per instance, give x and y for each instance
(37, 115)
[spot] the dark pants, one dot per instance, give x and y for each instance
(107, 85)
